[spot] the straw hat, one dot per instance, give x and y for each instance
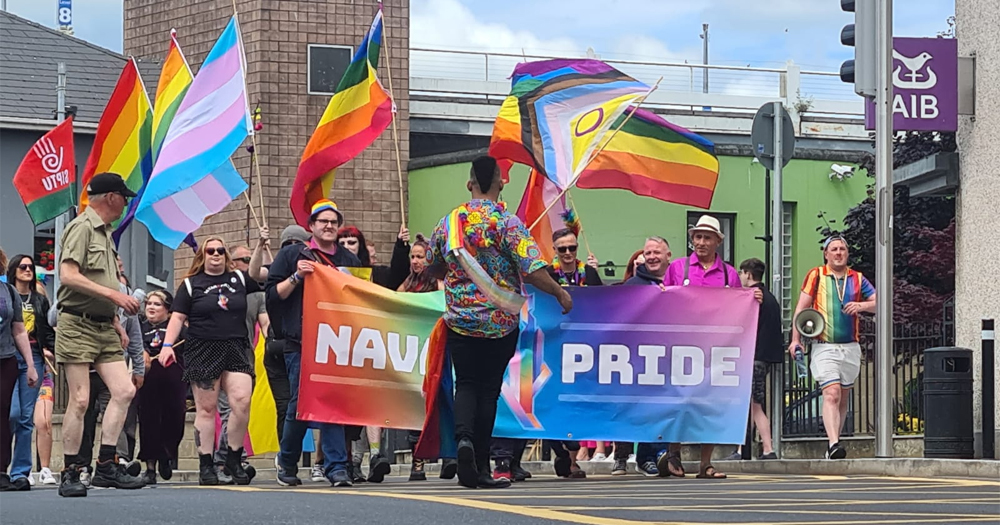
(709, 224)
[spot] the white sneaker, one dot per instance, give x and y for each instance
(85, 477)
(317, 474)
(599, 458)
(45, 477)
(631, 458)
(31, 480)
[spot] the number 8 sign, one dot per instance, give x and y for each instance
(65, 13)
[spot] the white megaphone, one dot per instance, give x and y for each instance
(809, 323)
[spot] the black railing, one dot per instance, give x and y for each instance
(803, 401)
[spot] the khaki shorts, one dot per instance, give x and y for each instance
(80, 340)
(835, 363)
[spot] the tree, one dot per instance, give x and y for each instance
(924, 235)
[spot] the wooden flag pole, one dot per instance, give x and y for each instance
(598, 152)
(253, 136)
(392, 95)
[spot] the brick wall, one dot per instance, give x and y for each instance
(276, 34)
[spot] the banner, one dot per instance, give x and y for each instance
(633, 363)
(45, 178)
(364, 351)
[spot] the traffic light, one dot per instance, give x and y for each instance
(861, 36)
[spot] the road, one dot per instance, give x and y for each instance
(600, 500)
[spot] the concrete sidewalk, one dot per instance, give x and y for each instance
(902, 467)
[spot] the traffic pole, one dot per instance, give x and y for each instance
(883, 231)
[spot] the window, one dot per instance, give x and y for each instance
(326, 66)
(728, 223)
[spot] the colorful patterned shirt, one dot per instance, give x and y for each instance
(502, 245)
(830, 294)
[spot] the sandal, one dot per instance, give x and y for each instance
(709, 472)
(674, 465)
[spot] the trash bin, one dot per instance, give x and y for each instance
(948, 403)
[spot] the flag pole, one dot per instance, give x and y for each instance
(60, 225)
(598, 152)
(395, 133)
(262, 222)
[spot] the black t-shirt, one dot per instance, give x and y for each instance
(770, 338)
(153, 336)
(217, 305)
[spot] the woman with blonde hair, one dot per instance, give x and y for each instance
(212, 299)
(162, 397)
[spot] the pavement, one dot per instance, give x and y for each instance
(599, 500)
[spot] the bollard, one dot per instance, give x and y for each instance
(989, 385)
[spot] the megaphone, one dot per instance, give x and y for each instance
(809, 323)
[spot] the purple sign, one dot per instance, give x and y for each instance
(925, 85)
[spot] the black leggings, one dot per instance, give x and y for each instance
(479, 367)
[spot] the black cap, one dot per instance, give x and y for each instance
(108, 183)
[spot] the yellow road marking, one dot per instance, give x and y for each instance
(561, 515)
(771, 504)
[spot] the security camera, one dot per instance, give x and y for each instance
(841, 172)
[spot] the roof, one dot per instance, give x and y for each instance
(29, 60)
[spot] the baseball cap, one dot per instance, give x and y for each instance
(108, 183)
(323, 205)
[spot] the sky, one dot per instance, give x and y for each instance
(761, 33)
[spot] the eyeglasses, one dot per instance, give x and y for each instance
(327, 222)
(567, 249)
(213, 251)
(348, 242)
(24, 267)
(245, 260)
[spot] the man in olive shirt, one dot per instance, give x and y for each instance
(90, 333)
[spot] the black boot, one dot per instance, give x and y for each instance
(234, 466)
(206, 470)
(111, 473)
(468, 474)
(70, 485)
(378, 468)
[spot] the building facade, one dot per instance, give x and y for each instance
(977, 290)
(291, 48)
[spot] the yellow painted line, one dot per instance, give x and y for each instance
(561, 515)
(771, 504)
(741, 509)
(692, 494)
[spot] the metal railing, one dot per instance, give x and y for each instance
(486, 75)
(803, 416)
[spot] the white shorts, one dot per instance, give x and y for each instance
(835, 363)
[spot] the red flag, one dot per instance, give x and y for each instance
(46, 175)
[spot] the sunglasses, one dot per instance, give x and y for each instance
(213, 251)
(24, 267)
(349, 242)
(245, 260)
(567, 249)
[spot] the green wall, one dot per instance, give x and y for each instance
(616, 222)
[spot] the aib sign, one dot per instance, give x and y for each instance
(924, 84)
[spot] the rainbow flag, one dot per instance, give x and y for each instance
(122, 143)
(193, 176)
(175, 79)
(652, 157)
(358, 112)
(538, 194)
(557, 113)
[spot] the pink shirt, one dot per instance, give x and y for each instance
(713, 277)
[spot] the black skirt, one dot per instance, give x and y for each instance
(207, 359)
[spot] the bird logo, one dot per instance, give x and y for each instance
(914, 65)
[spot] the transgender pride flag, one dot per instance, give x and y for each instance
(193, 177)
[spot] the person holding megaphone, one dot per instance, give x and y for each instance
(839, 294)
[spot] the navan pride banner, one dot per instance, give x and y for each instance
(629, 363)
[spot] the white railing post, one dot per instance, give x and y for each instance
(792, 84)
